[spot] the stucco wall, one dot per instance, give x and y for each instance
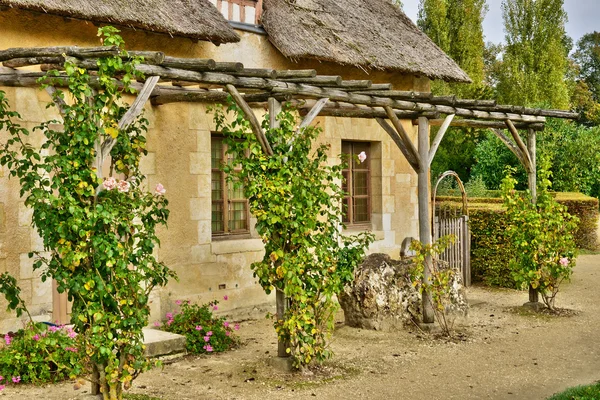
(179, 158)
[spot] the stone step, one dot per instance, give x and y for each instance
(160, 343)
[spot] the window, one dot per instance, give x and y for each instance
(229, 207)
(245, 11)
(357, 184)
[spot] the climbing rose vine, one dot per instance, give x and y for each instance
(99, 233)
(296, 197)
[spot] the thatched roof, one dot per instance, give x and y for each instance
(197, 19)
(365, 33)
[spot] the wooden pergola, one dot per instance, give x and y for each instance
(170, 79)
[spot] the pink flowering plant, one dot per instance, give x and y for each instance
(40, 354)
(542, 237)
(99, 232)
(204, 332)
(296, 196)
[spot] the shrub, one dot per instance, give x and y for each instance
(40, 354)
(542, 239)
(204, 332)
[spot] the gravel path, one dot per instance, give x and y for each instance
(505, 353)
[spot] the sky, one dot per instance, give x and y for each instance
(584, 17)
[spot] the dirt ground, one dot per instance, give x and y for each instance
(504, 353)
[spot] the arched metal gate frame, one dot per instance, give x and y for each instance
(457, 255)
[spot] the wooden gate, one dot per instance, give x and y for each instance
(454, 222)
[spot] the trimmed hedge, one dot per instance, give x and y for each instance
(490, 248)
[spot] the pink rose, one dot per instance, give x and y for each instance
(160, 190)
(564, 261)
(123, 186)
(362, 156)
(110, 183)
(7, 339)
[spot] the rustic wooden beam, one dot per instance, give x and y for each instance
(399, 94)
(313, 113)
(132, 113)
(296, 73)
(511, 146)
(353, 84)
(439, 137)
(193, 64)
(373, 87)
(423, 194)
(319, 80)
(249, 114)
(410, 157)
(470, 123)
(364, 112)
(515, 134)
(404, 135)
(59, 101)
(73, 51)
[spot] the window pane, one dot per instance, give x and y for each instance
(217, 190)
(217, 218)
(345, 203)
(235, 191)
(237, 216)
(360, 183)
(345, 181)
(361, 210)
(216, 152)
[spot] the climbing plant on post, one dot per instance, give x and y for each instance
(296, 197)
(99, 233)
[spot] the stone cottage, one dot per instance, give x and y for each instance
(210, 241)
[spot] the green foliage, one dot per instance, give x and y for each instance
(534, 62)
(296, 198)
(203, 331)
(587, 56)
(11, 291)
(491, 157)
(99, 235)
(542, 238)
(37, 354)
(574, 151)
(456, 27)
(587, 392)
(440, 283)
(490, 248)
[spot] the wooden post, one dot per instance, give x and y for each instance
(424, 217)
(532, 184)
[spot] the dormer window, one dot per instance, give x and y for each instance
(244, 11)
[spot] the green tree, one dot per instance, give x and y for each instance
(587, 56)
(534, 62)
(99, 233)
(296, 197)
(456, 27)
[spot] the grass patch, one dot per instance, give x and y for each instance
(589, 392)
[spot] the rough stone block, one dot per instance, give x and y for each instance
(202, 253)
(160, 343)
(26, 266)
(25, 214)
(199, 163)
(200, 209)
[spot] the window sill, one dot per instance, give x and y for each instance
(354, 229)
(236, 244)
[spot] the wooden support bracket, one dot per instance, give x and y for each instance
(412, 159)
(313, 113)
(249, 114)
(515, 134)
(512, 147)
(439, 137)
